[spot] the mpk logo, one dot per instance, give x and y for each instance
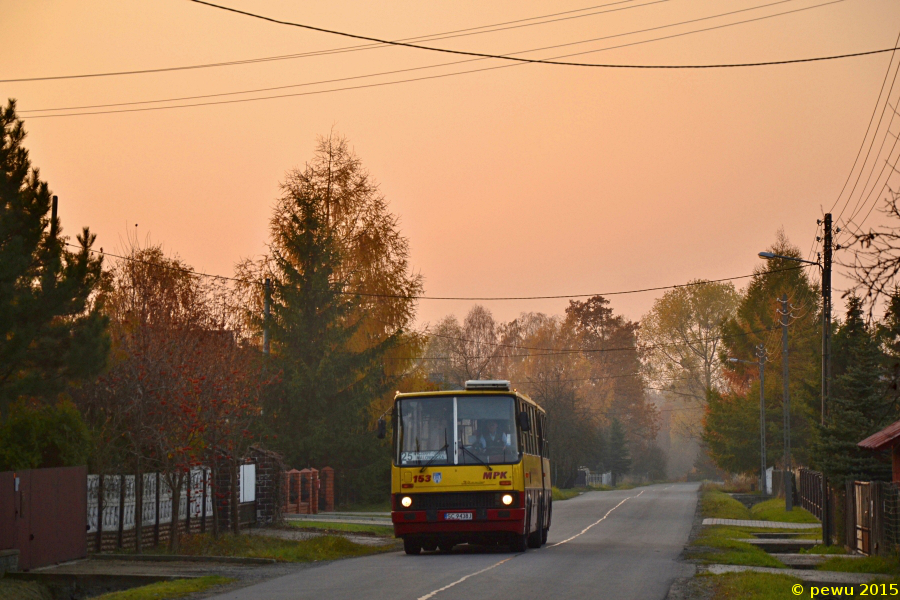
(495, 475)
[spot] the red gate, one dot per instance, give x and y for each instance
(43, 514)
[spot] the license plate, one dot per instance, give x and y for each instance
(458, 516)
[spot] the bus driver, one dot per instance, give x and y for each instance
(494, 440)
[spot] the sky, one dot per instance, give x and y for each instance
(522, 180)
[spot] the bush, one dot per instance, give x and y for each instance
(38, 435)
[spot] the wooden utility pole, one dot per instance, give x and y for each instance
(786, 404)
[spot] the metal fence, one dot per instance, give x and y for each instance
(120, 500)
(810, 491)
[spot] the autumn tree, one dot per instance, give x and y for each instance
(458, 352)
(731, 427)
(52, 333)
(342, 295)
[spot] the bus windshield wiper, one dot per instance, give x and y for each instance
(436, 453)
(475, 456)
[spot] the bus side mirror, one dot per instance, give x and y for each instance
(381, 430)
(524, 423)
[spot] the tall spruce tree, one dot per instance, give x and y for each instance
(859, 404)
(50, 331)
(319, 411)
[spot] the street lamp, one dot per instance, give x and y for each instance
(761, 361)
(825, 266)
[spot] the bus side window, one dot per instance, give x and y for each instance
(533, 432)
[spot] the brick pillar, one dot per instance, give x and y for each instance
(305, 491)
(328, 480)
(313, 491)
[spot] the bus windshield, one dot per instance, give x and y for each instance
(456, 430)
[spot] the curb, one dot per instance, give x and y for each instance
(239, 560)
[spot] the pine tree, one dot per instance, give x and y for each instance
(859, 404)
(51, 333)
(319, 411)
(619, 461)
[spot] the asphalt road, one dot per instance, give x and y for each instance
(621, 544)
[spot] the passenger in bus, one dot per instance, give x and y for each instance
(494, 440)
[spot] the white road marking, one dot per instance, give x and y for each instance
(495, 565)
(458, 581)
(597, 522)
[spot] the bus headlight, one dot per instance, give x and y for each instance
(507, 499)
(406, 501)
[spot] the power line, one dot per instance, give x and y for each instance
(868, 127)
(429, 37)
(534, 60)
(425, 78)
(480, 299)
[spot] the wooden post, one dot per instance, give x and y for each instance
(328, 476)
(203, 500)
(99, 545)
(187, 501)
(121, 510)
(156, 527)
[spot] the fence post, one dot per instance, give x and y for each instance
(121, 510)
(99, 545)
(156, 526)
(203, 500)
(187, 501)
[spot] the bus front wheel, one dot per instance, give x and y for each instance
(412, 546)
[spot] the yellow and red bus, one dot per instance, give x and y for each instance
(469, 466)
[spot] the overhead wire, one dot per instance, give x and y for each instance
(30, 114)
(533, 60)
(344, 49)
(868, 128)
(422, 297)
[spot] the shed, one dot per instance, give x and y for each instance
(889, 437)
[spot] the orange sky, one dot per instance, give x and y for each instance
(520, 181)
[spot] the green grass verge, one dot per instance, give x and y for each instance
(720, 544)
(719, 505)
(756, 586)
(822, 549)
(869, 564)
(168, 589)
(325, 547)
(381, 530)
(377, 507)
(23, 590)
(773, 510)
(560, 495)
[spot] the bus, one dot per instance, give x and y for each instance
(469, 466)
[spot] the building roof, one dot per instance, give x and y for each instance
(886, 438)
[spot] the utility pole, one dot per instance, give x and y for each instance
(266, 312)
(826, 362)
(53, 220)
(786, 404)
(761, 357)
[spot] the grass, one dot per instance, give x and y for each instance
(756, 586)
(23, 590)
(773, 510)
(869, 564)
(720, 544)
(258, 546)
(380, 530)
(560, 495)
(168, 589)
(819, 549)
(719, 505)
(378, 507)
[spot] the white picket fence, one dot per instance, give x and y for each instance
(112, 496)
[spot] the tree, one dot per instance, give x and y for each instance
(859, 405)
(330, 338)
(41, 435)
(457, 353)
(731, 426)
(52, 333)
(619, 459)
(682, 338)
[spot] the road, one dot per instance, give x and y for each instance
(619, 544)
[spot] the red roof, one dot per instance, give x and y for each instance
(886, 438)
